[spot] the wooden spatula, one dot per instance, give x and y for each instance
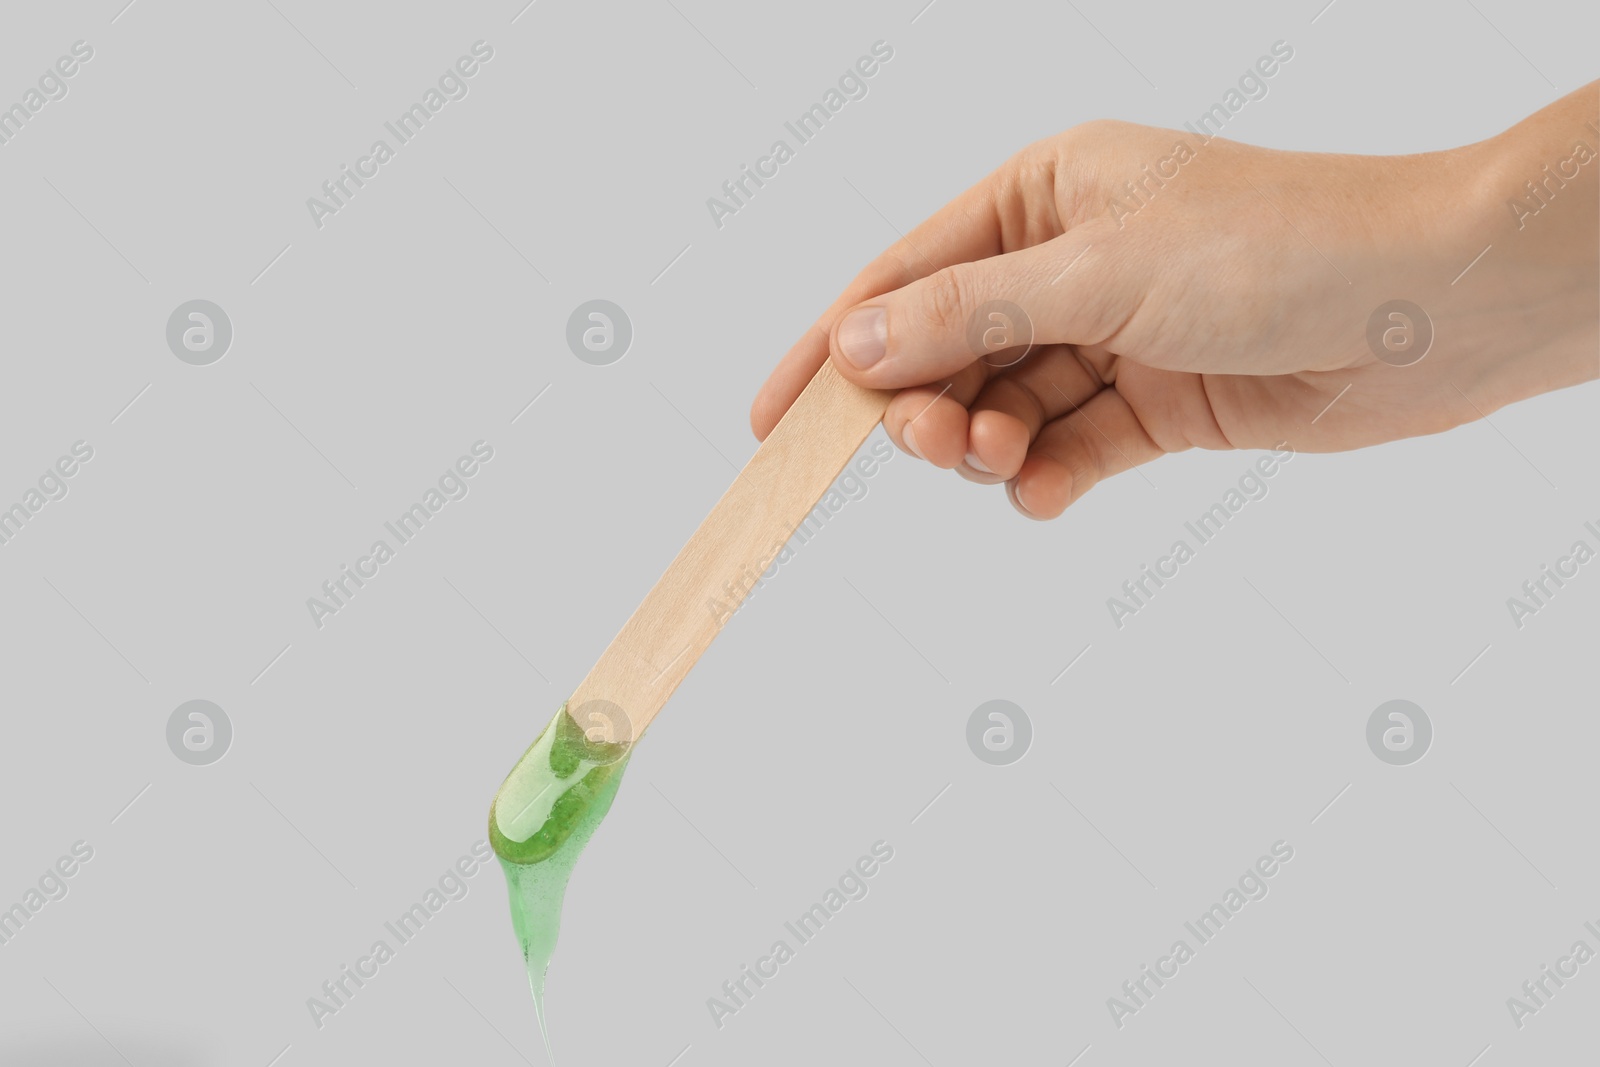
(758, 514)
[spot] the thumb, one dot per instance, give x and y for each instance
(1074, 289)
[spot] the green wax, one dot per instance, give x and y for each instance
(543, 816)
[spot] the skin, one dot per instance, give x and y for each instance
(1224, 306)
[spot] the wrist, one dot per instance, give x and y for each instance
(1528, 310)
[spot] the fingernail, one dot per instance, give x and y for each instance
(909, 436)
(977, 464)
(1016, 498)
(863, 336)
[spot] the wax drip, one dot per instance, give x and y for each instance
(542, 818)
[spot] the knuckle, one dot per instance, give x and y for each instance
(1086, 453)
(945, 302)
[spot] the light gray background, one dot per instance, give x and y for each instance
(373, 352)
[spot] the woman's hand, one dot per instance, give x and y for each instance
(1183, 293)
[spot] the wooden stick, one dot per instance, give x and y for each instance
(713, 573)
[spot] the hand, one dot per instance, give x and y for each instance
(1185, 293)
